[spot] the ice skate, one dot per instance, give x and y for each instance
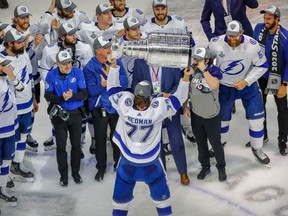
(20, 173)
(7, 199)
(32, 144)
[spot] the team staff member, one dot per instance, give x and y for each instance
(205, 108)
(96, 72)
(66, 89)
(272, 37)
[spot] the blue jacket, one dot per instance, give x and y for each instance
(97, 94)
(283, 49)
(169, 79)
(58, 85)
(237, 11)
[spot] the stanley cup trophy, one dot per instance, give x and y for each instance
(159, 49)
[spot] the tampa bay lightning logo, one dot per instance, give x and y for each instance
(7, 104)
(155, 104)
(24, 75)
(128, 102)
(214, 39)
(232, 67)
(73, 79)
(252, 41)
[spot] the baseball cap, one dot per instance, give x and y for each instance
(66, 28)
(157, 3)
(63, 57)
(143, 89)
(66, 5)
(3, 60)
(273, 10)
(234, 28)
(103, 8)
(101, 42)
(14, 36)
(131, 22)
(21, 11)
(201, 53)
(3, 26)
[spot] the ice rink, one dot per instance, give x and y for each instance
(251, 189)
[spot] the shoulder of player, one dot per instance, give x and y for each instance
(177, 19)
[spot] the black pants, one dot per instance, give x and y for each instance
(100, 124)
(282, 110)
(74, 127)
(204, 130)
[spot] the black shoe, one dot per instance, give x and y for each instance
(261, 156)
(92, 148)
(64, 182)
(203, 173)
(212, 153)
(222, 174)
(282, 148)
(4, 4)
(10, 184)
(77, 178)
(100, 175)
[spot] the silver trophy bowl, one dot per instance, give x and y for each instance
(161, 49)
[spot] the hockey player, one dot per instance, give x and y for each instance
(121, 12)
(103, 25)
(2, 33)
(66, 90)
(34, 34)
(26, 101)
(81, 53)
(138, 135)
(8, 125)
(242, 63)
(66, 12)
(273, 38)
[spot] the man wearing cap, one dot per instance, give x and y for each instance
(80, 52)
(8, 124)
(204, 113)
(138, 135)
(132, 33)
(273, 39)
(65, 88)
(15, 52)
(165, 81)
(66, 12)
(103, 25)
(242, 63)
(34, 46)
(96, 72)
(121, 12)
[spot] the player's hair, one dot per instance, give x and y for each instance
(141, 102)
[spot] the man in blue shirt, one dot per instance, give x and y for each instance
(65, 89)
(273, 40)
(96, 72)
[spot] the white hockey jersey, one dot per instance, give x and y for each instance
(8, 109)
(130, 12)
(176, 24)
(138, 133)
(77, 19)
(88, 31)
(246, 61)
(22, 69)
(83, 53)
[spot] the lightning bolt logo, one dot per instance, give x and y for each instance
(6, 102)
(233, 68)
(23, 74)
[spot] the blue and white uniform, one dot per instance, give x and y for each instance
(138, 135)
(244, 62)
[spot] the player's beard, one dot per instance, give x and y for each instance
(234, 42)
(17, 51)
(65, 15)
(70, 43)
(270, 26)
(24, 26)
(161, 17)
(120, 8)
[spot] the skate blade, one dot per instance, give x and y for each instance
(49, 148)
(265, 165)
(20, 178)
(31, 149)
(8, 204)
